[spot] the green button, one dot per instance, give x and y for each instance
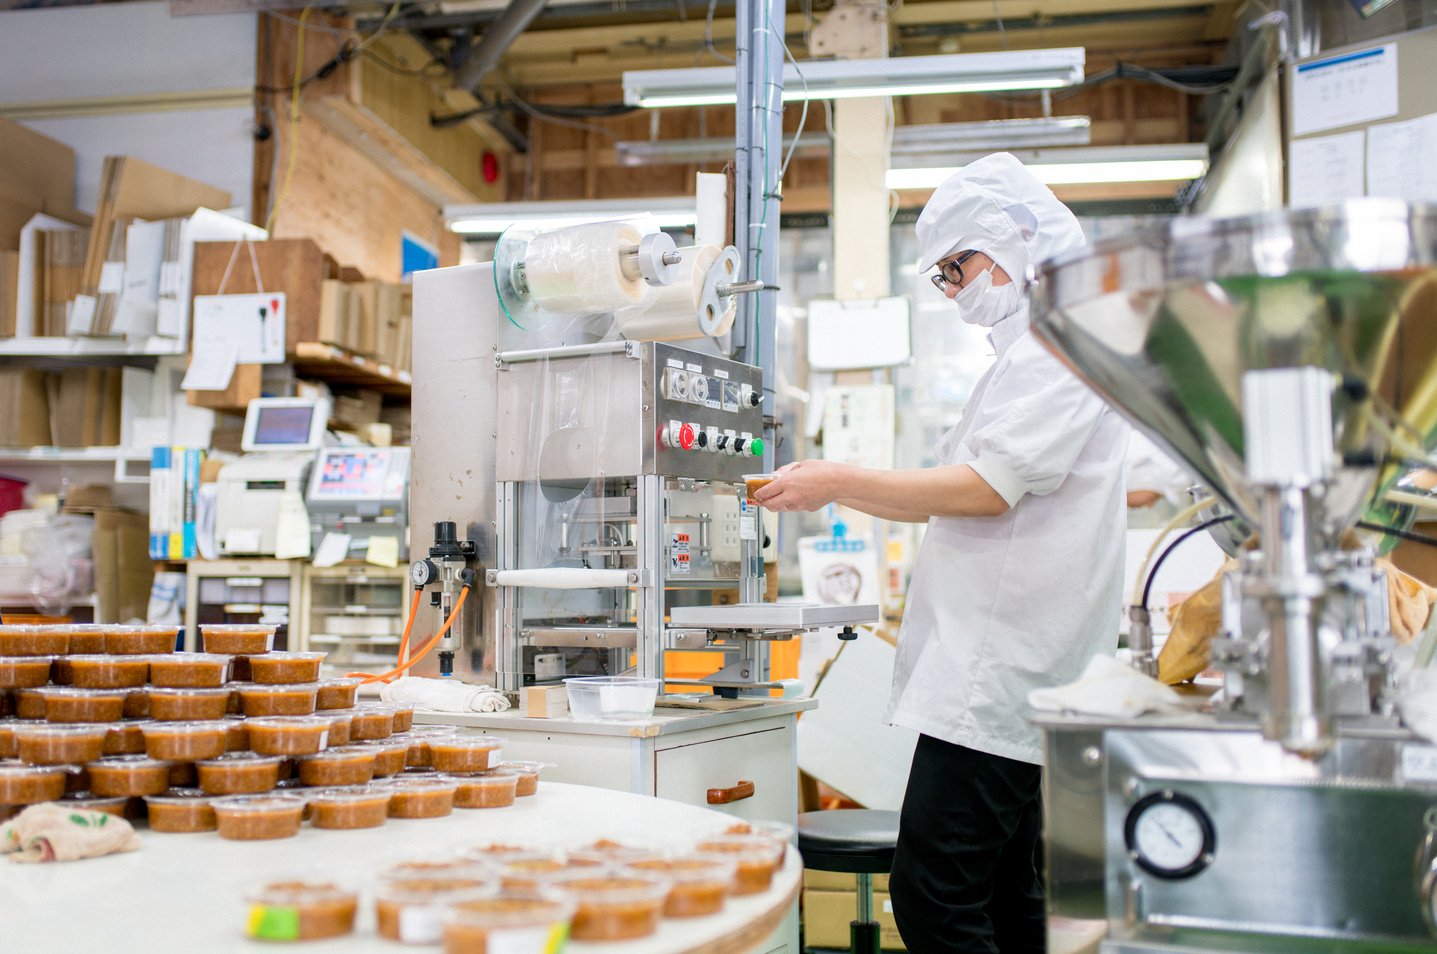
(755, 447)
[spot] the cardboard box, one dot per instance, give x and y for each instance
(26, 399)
(9, 290)
(395, 303)
(297, 267)
(826, 916)
(85, 407)
(335, 322)
(245, 386)
(358, 410)
(364, 317)
(123, 571)
(544, 702)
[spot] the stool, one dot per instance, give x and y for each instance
(853, 841)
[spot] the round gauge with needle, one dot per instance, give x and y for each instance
(1170, 835)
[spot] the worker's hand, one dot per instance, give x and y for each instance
(805, 485)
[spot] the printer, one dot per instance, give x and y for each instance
(362, 493)
(281, 438)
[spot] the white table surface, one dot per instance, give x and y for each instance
(183, 893)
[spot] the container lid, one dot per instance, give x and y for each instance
(764, 847)
(292, 722)
(349, 794)
(601, 887)
(688, 869)
(292, 893)
(62, 729)
(213, 727)
(258, 804)
(19, 769)
(429, 782)
(263, 689)
(628, 682)
(512, 909)
(16, 660)
(211, 658)
(97, 658)
(65, 691)
(285, 655)
(238, 627)
(136, 762)
(193, 691)
(339, 681)
(482, 780)
(340, 754)
(526, 766)
(247, 758)
(473, 742)
(188, 796)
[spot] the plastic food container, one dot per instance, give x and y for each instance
(613, 907)
(389, 756)
(372, 722)
(181, 811)
(300, 911)
(272, 669)
(28, 784)
(288, 735)
(420, 797)
(89, 802)
(337, 693)
(781, 832)
(483, 790)
(139, 640)
(752, 483)
(419, 741)
(184, 775)
(516, 922)
(86, 637)
(59, 743)
(184, 741)
(7, 736)
(341, 725)
(236, 639)
(190, 670)
(24, 672)
(188, 705)
(700, 883)
(27, 704)
(68, 704)
(238, 773)
(466, 753)
(757, 858)
(258, 817)
(128, 776)
(347, 765)
(611, 698)
(256, 700)
(409, 908)
(403, 716)
(125, 738)
(528, 773)
(362, 806)
(236, 734)
(137, 703)
(526, 870)
(108, 672)
(34, 640)
(60, 673)
(606, 852)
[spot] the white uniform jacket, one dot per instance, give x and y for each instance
(999, 606)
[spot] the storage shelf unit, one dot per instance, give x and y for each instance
(354, 612)
(313, 359)
(242, 591)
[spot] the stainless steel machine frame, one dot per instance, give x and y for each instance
(1290, 360)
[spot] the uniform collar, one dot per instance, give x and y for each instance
(1009, 330)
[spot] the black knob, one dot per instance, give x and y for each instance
(445, 533)
(847, 633)
(703, 439)
(755, 399)
(738, 443)
(722, 441)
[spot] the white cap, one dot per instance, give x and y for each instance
(996, 206)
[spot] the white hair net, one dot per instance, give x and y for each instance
(996, 206)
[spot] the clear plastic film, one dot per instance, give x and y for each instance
(672, 312)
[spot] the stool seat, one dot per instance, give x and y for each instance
(858, 841)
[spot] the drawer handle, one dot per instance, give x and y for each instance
(722, 796)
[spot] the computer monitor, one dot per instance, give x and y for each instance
(285, 424)
(357, 474)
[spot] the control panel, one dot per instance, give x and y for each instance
(709, 414)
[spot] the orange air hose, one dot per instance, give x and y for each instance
(423, 650)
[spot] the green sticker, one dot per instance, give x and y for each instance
(273, 923)
(80, 820)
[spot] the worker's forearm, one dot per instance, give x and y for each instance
(949, 491)
(883, 513)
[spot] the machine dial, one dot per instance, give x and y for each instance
(1170, 835)
(423, 572)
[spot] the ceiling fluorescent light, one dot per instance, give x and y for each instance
(493, 218)
(1095, 165)
(889, 76)
(915, 139)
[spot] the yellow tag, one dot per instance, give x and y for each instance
(383, 551)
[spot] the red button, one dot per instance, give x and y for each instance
(686, 437)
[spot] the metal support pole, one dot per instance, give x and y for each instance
(759, 133)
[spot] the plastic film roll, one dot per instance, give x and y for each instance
(577, 270)
(670, 312)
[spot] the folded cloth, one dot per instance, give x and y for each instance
(444, 695)
(1417, 702)
(54, 832)
(1108, 687)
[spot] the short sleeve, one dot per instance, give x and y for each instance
(1038, 418)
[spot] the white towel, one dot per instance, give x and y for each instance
(52, 831)
(1108, 687)
(444, 695)
(1417, 701)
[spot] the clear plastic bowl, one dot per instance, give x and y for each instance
(612, 698)
(613, 906)
(298, 910)
(520, 922)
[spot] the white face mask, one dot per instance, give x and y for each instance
(982, 303)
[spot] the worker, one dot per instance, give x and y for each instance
(1017, 584)
(1151, 476)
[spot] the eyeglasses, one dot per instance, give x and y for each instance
(951, 273)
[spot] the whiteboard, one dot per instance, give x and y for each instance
(858, 334)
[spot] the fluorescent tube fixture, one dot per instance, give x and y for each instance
(843, 79)
(493, 218)
(1092, 165)
(926, 140)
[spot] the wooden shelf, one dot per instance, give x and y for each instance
(68, 455)
(39, 347)
(328, 363)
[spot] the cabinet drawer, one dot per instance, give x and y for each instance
(685, 773)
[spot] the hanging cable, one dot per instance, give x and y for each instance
(1157, 565)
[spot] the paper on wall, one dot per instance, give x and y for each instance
(1343, 90)
(1326, 170)
(333, 549)
(212, 365)
(254, 323)
(291, 529)
(206, 225)
(858, 425)
(1399, 159)
(382, 551)
(139, 290)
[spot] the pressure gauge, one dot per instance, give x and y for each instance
(422, 572)
(1169, 835)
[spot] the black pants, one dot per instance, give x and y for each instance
(966, 873)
